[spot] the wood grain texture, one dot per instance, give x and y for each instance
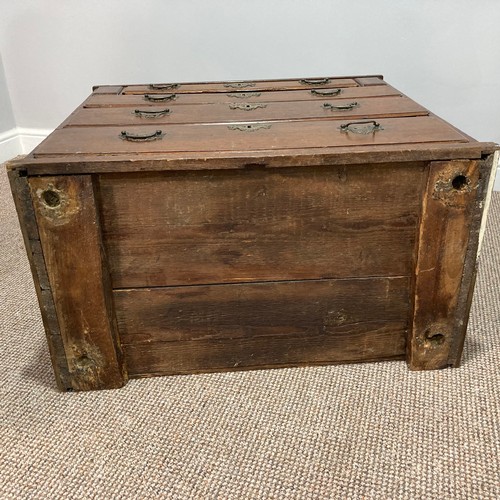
(447, 214)
(241, 86)
(370, 81)
(109, 100)
(248, 111)
(293, 135)
(107, 89)
(253, 225)
(70, 238)
(295, 308)
(24, 207)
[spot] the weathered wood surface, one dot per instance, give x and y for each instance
(287, 308)
(24, 206)
(447, 215)
(293, 135)
(101, 100)
(254, 225)
(279, 158)
(164, 114)
(69, 227)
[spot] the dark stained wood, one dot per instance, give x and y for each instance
(487, 170)
(97, 100)
(29, 229)
(308, 158)
(372, 341)
(240, 86)
(248, 111)
(295, 308)
(216, 138)
(447, 215)
(253, 225)
(68, 223)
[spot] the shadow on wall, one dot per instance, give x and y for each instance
(7, 121)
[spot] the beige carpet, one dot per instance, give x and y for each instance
(372, 431)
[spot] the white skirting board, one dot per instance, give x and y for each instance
(20, 140)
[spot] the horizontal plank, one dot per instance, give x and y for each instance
(164, 114)
(245, 86)
(267, 136)
(297, 308)
(381, 341)
(96, 100)
(234, 226)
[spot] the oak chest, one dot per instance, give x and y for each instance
(182, 228)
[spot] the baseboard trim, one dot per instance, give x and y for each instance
(20, 140)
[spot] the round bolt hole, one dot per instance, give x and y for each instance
(51, 198)
(435, 338)
(459, 182)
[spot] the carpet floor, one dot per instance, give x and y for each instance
(372, 431)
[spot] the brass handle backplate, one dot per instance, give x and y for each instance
(340, 107)
(249, 127)
(157, 134)
(164, 86)
(141, 113)
(160, 98)
(326, 93)
(244, 95)
(319, 81)
(239, 85)
(361, 127)
(246, 106)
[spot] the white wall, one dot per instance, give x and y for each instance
(443, 54)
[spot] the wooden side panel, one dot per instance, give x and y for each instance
(67, 217)
(254, 225)
(24, 206)
(370, 81)
(447, 216)
(203, 328)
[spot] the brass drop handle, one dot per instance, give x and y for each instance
(160, 98)
(326, 93)
(361, 127)
(320, 81)
(142, 113)
(157, 134)
(164, 86)
(340, 107)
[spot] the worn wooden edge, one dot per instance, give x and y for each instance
(80, 285)
(212, 82)
(445, 263)
(24, 207)
(309, 364)
(151, 162)
(468, 281)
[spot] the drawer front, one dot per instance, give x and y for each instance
(153, 99)
(243, 86)
(248, 111)
(245, 136)
(202, 328)
(259, 225)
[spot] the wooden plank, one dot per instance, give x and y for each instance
(107, 89)
(236, 111)
(69, 226)
(372, 342)
(447, 218)
(309, 158)
(286, 308)
(293, 135)
(234, 226)
(96, 100)
(24, 206)
(241, 86)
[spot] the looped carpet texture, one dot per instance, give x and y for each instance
(372, 431)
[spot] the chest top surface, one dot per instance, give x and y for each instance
(170, 126)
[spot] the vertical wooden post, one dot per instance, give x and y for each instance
(445, 267)
(70, 236)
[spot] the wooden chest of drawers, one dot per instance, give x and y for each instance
(182, 228)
